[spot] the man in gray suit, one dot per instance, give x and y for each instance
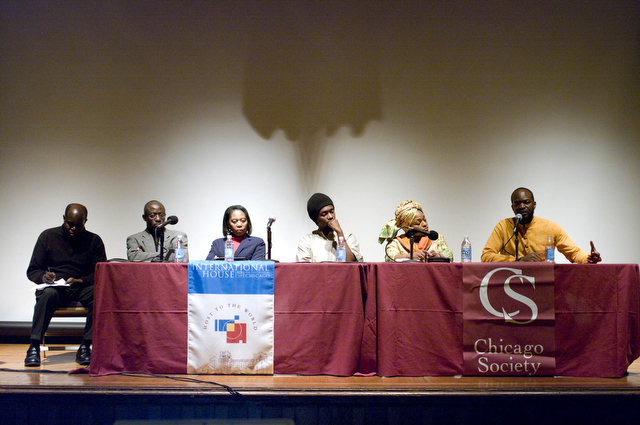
(143, 246)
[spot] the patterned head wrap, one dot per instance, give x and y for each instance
(405, 213)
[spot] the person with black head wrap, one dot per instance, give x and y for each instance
(321, 244)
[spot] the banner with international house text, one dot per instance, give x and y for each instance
(230, 317)
(509, 319)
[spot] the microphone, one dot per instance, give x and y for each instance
(516, 221)
(271, 220)
(172, 219)
(433, 235)
(159, 233)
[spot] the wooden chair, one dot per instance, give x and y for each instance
(75, 309)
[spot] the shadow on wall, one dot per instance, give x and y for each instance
(311, 69)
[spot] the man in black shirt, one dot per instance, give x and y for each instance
(65, 256)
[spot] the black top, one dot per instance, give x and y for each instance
(55, 251)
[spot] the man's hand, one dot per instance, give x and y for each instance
(534, 256)
(49, 278)
(72, 281)
(335, 226)
(594, 256)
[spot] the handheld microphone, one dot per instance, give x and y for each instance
(516, 221)
(271, 220)
(172, 219)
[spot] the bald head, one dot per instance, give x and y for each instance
(76, 207)
(75, 217)
(154, 214)
(152, 205)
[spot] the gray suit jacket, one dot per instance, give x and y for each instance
(141, 247)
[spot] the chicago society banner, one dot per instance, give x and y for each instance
(509, 319)
(230, 317)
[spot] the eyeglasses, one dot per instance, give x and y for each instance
(154, 215)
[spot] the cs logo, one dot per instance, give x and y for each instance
(509, 317)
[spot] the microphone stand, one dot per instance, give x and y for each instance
(410, 234)
(269, 244)
(515, 232)
(161, 244)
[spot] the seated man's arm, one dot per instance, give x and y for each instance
(38, 264)
(491, 250)
(186, 247)
(304, 249)
(98, 255)
(135, 252)
(567, 247)
(170, 246)
(354, 246)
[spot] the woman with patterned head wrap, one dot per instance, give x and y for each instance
(409, 214)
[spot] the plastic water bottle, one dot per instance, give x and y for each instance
(549, 250)
(228, 249)
(465, 255)
(342, 250)
(179, 249)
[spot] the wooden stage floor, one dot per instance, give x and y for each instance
(306, 399)
(51, 377)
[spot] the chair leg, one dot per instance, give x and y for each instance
(43, 347)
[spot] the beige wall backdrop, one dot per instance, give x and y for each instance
(204, 104)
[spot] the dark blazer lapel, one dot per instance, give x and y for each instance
(245, 245)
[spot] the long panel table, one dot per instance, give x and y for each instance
(392, 319)
(141, 313)
(420, 327)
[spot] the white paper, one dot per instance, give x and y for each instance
(59, 282)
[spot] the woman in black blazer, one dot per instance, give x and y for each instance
(237, 223)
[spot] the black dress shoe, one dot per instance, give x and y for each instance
(83, 356)
(33, 356)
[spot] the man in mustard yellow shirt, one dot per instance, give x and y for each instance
(532, 236)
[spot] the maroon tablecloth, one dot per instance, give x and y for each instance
(597, 319)
(340, 319)
(419, 316)
(320, 318)
(420, 319)
(141, 319)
